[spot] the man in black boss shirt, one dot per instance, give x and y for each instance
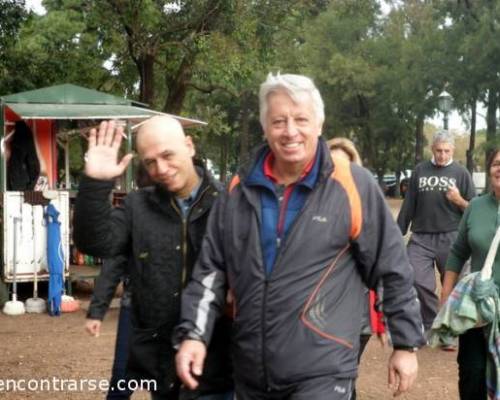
(438, 193)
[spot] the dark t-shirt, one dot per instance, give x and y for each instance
(426, 205)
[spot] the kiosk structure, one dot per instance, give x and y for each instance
(24, 198)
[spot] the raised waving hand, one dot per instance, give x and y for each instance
(101, 159)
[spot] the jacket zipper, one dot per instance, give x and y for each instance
(183, 239)
(263, 323)
(290, 231)
(184, 250)
(263, 310)
(280, 231)
(282, 216)
(185, 220)
(266, 284)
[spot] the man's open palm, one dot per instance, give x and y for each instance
(101, 159)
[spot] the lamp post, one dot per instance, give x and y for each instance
(445, 102)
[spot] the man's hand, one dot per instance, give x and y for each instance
(93, 327)
(189, 362)
(101, 159)
(403, 368)
(453, 195)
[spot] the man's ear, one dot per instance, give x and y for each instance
(190, 146)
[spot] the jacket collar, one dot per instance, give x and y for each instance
(433, 161)
(165, 199)
(252, 173)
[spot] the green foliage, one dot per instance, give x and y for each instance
(380, 74)
(351, 61)
(230, 67)
(56, 48)
(12, 17)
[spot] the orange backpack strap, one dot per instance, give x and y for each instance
(343, 175)
(235, 180)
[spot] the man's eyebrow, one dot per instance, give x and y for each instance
(162, 154)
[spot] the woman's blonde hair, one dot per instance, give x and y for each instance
(347, 146)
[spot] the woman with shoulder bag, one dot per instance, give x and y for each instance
(477, 228)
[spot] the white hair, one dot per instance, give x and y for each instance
(296, 86)
(443, 136)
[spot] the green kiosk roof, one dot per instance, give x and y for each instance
(74, 102)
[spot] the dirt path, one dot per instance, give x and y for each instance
(437, 378)
(43, 347)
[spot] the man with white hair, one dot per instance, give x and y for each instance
(438, 193)
(159, 230)
(296, 238)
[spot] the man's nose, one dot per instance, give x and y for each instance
(162, 166)
(291, 127)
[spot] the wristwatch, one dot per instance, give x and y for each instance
(406, 348)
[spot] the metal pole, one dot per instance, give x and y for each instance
(129, 177)
(3, 163)
(445, 121)
(66, 163)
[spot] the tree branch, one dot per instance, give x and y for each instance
(212, 88)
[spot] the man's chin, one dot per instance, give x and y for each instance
(291, 159)
(170, 186)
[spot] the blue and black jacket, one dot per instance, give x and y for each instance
(303, 318)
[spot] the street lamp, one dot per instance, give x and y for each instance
(445, 102)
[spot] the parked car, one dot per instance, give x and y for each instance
(388, 184)
(403, 186)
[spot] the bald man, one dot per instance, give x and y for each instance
(159, 228)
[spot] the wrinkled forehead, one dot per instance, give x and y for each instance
(299, 98)
(443, 145)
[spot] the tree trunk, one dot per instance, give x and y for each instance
(147, 87)
(245, 131)
(397, 191)
(472, 138)
(224, 150)
(491, 128)
(178, 85)
(491, 120)
(419, 139)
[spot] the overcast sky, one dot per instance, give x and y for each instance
(36, 6)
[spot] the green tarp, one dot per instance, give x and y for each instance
(65, 94)
(79, 111)
(74, 102)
